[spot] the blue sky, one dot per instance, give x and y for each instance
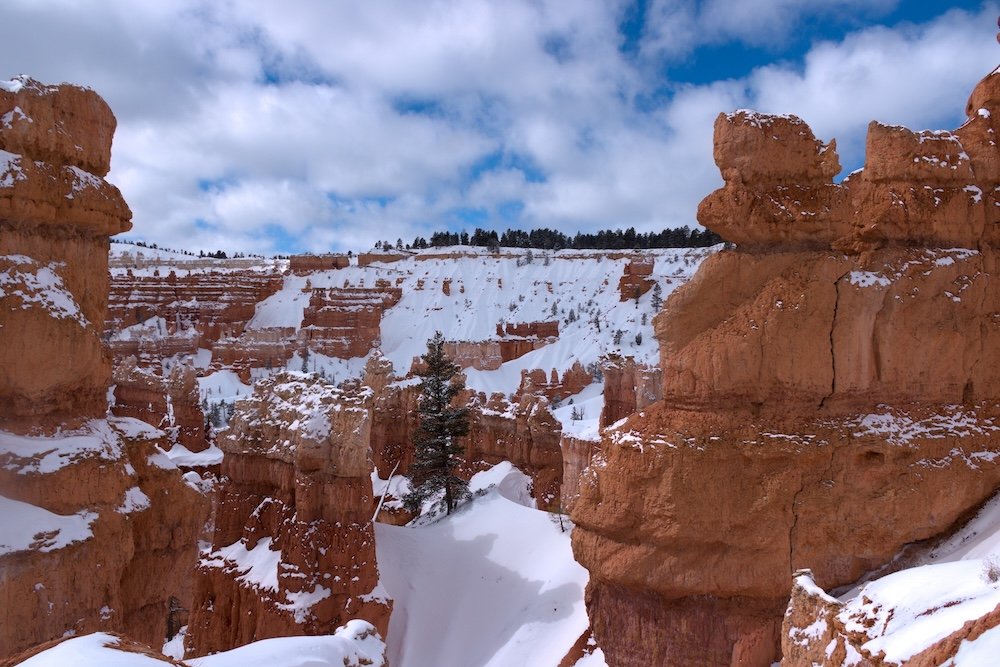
(311, 125)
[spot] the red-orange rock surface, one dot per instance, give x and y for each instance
(345, 322)
(55, 219)
(628, 387)
(635, 280)
(296, 505)
(92, 507)
(169, 403)
(524, 433)
(821, 409)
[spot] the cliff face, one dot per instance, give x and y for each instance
(81, 492)
(294, 549)
(56, 213)
(830, 389)
(170, 403)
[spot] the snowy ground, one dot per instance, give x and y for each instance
(494, 584)
(354, 645)
(905, 612)
(575, 287)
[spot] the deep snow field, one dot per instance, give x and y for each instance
(577, 287)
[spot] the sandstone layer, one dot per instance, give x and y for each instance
(91, 504)
(831, 389)
(294, 550)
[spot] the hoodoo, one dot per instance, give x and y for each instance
(831, 388)
(80, 492)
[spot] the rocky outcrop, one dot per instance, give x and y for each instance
(56, 214)
(551, 384)
(214, 303)
(819, 629)
(636, 280)
(293, 551)
(831, 390)
(81, 492)
(518, 339)
(628, 387)
(170, 403)
(300, 265)
(524, 433)
(345, 322)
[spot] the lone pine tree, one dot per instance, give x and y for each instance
(436, 452)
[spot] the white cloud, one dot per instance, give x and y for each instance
(243, 124)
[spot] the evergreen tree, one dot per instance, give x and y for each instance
(436, 452)
(657, 299)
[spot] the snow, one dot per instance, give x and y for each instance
(868, 279)
(14, 115)
(285, 308)
(29, 527)
(182, 457)
(38, 285)
(135, 501)
(257, 567)
(12, 85)
(981, 652)
(354, 645)
(224, 385)
(503, 288)
(957, 581)
(502, 573)
(595, 659)
(46, 454)
(94, 650)
(174, 648)
(588, 403)
(301, 603)
(10, 169)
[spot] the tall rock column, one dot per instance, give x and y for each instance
(91, 507)
(831, 389)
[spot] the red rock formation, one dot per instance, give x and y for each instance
(215, 303)
(484, 355)
(516, 340)
(554, 387)
(170, 403)
(91, 505)
(300, 265)
(294, 549)
(55, 219)
(269, 348)
(635, 280)
(815, 631)
(577, 455)
(345, 322)
(628, 387)
(524, 433)
(366, 258)
(775, 447)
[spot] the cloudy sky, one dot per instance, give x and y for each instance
(312, 125)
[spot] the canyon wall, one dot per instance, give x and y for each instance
(293, 551)
(830, 389)
(91, 505)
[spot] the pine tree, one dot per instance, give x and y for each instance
(436, 452)
(657, 299)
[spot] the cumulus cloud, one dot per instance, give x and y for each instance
(331, 125)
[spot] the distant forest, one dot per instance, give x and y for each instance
(550, 239)
(542, 239)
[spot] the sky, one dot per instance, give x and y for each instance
(319, 125)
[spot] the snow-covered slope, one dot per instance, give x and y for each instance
(910, 611)
(354, 645)
(495, 584)
(578, 288)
